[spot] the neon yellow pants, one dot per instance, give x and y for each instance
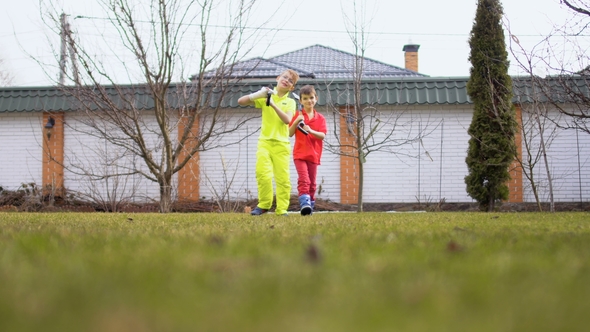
(272, 158)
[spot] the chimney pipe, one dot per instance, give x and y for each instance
(411, 56)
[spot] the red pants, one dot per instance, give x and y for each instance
(306, 172)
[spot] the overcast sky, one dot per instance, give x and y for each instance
(441, 28)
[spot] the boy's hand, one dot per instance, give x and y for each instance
(299, 118)
(301, 126)
(262, 93)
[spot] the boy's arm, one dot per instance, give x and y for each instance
(318, 134)
(248, 100)
(322, 129)
(284, 116)
(245, 101)
(292, 129)
(294, 124)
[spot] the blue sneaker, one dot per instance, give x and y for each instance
(258, 211)
(304, 204)
(305, 210)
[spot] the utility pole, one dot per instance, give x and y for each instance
(62, 53)
(66, 46)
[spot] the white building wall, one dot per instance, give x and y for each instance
(443, 169)
(86, 154)
(455, 146)
(568, 154)
(425, 171)
(229, 162)
(21, 152)
(407, 174)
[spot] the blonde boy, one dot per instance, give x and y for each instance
(274, 150)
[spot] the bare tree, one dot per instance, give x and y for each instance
(226, 190)
(162, 119)
(101, 178)
(568, 68)
(368, 129)
(534, 121)
(6, 77)
(564, 89)
(537, 136)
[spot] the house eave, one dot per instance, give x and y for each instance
(336, 91)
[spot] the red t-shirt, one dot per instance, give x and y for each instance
(307, 147)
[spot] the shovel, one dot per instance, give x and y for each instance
(301, 124)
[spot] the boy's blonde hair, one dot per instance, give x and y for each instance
(294, 75)
(308, 90)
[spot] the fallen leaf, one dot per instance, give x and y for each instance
(312, 254)
(453, 246)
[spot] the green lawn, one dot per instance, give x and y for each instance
(327, 272)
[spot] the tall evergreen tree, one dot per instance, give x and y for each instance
(493, 127)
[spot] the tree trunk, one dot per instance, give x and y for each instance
(360, 188)
(546, 163)
(165, 194)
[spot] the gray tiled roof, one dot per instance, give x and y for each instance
(253, 68)
(317, 61)
(325, 63)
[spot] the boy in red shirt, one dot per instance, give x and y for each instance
(307, 151)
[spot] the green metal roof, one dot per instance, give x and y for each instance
(393, 91)
(399, 91)
(32, 99)
(557, 89)
(408, 91)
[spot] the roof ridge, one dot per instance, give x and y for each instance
(348, 54)
(298, 70)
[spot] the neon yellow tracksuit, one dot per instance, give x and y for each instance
(273, 154)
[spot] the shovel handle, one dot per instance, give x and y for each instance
(300, 127)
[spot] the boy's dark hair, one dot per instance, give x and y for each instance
(308, 90)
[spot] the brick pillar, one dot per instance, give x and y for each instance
(348, 165)
(188, 176)
(53, 155)
(411, 57)
(515, 184)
